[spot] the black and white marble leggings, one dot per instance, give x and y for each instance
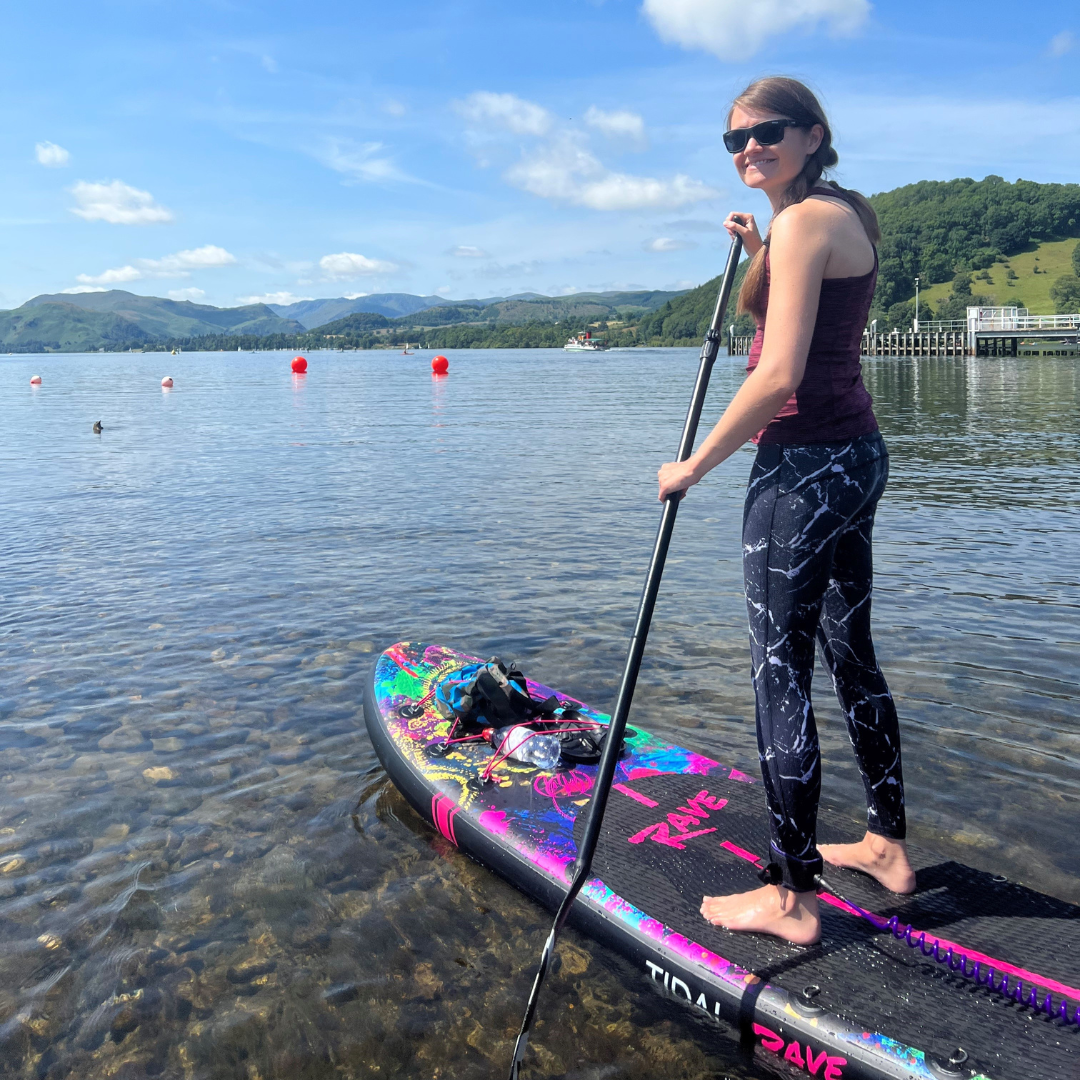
(808, 567)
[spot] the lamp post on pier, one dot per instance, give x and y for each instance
(916, 326)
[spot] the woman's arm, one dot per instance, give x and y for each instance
(798, 251)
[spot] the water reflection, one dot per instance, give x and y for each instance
(202, 869)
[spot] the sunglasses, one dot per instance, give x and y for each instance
(767, 133)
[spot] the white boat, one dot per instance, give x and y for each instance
(585, 343)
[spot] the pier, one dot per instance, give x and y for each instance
(993, 331)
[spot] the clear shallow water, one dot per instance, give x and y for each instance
(203, 871)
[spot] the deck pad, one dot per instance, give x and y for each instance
(680, 825)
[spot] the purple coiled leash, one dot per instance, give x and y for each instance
(981, 974)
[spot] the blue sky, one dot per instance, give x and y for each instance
(222, 151)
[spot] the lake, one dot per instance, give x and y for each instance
(203, 869)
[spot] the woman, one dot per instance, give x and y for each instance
(821, 467)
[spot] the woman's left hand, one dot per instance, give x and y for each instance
(675, 476)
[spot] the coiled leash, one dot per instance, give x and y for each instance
(980, 973)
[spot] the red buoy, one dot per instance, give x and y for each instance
(167, 382)
(440, 365)
(35, 380)
(299, 365)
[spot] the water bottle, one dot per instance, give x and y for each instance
(523, 744)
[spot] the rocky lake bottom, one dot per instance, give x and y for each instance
(204, 872)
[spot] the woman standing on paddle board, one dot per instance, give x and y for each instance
(821, 467)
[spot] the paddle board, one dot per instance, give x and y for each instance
(873, 1001)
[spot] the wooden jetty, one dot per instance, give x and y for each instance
(985, 332)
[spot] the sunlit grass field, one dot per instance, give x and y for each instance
(1052, 259)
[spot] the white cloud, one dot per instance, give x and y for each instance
(352, 295)
(51, 156)
(1060, 44)
(75, 289)
(485, 109)
(360, 161)
(666, 243)
(270, 64)
(347, 264)
(735, 29)
(621, 124)
(118, 204)
(203, 258)
(186, 294)
(444, 291)
(116, 276)
(281, 298)
(563, 170)
(179, 265)
(467, 251)
(394, 108)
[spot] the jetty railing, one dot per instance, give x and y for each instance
(990, 331)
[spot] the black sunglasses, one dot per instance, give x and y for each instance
(767, 133)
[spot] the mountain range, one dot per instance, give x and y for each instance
(66, 322)
(116, 319)
(520, 307)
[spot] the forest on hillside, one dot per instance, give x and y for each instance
(949, 230)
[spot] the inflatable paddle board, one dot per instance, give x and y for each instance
(970, 977)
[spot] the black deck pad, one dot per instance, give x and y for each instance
(865, 974)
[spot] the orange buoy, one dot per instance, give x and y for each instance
(167, 382)
(299, 365)
(440, 365)
(35, 380)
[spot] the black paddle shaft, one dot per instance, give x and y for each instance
(613, 743)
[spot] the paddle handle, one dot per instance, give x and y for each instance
(609, 759)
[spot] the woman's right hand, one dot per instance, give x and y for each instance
(741, 224)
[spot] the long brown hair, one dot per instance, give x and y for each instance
(791, 98)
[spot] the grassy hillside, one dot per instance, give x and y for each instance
(312, 313)
(66, 328)
(684, 320)
(1052, 259)
(163, 319)
(937, 229)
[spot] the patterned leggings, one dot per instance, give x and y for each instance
(807, 562)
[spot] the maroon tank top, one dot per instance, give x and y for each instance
(831, 404)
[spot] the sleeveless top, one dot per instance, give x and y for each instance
(831, 404)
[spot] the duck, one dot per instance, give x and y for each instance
(97, 427)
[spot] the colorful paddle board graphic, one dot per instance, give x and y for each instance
(674, 805)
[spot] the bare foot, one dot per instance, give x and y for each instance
(883, 859)
(771, 910)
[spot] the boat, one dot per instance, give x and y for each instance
(407, 351)
(585, 342)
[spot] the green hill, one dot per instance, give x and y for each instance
(997, 240)
(164, 319)
(684, 320)
(519, 311)
(57, 327)
(937, 229)
(1035, 271)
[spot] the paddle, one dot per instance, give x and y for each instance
(613, 743)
